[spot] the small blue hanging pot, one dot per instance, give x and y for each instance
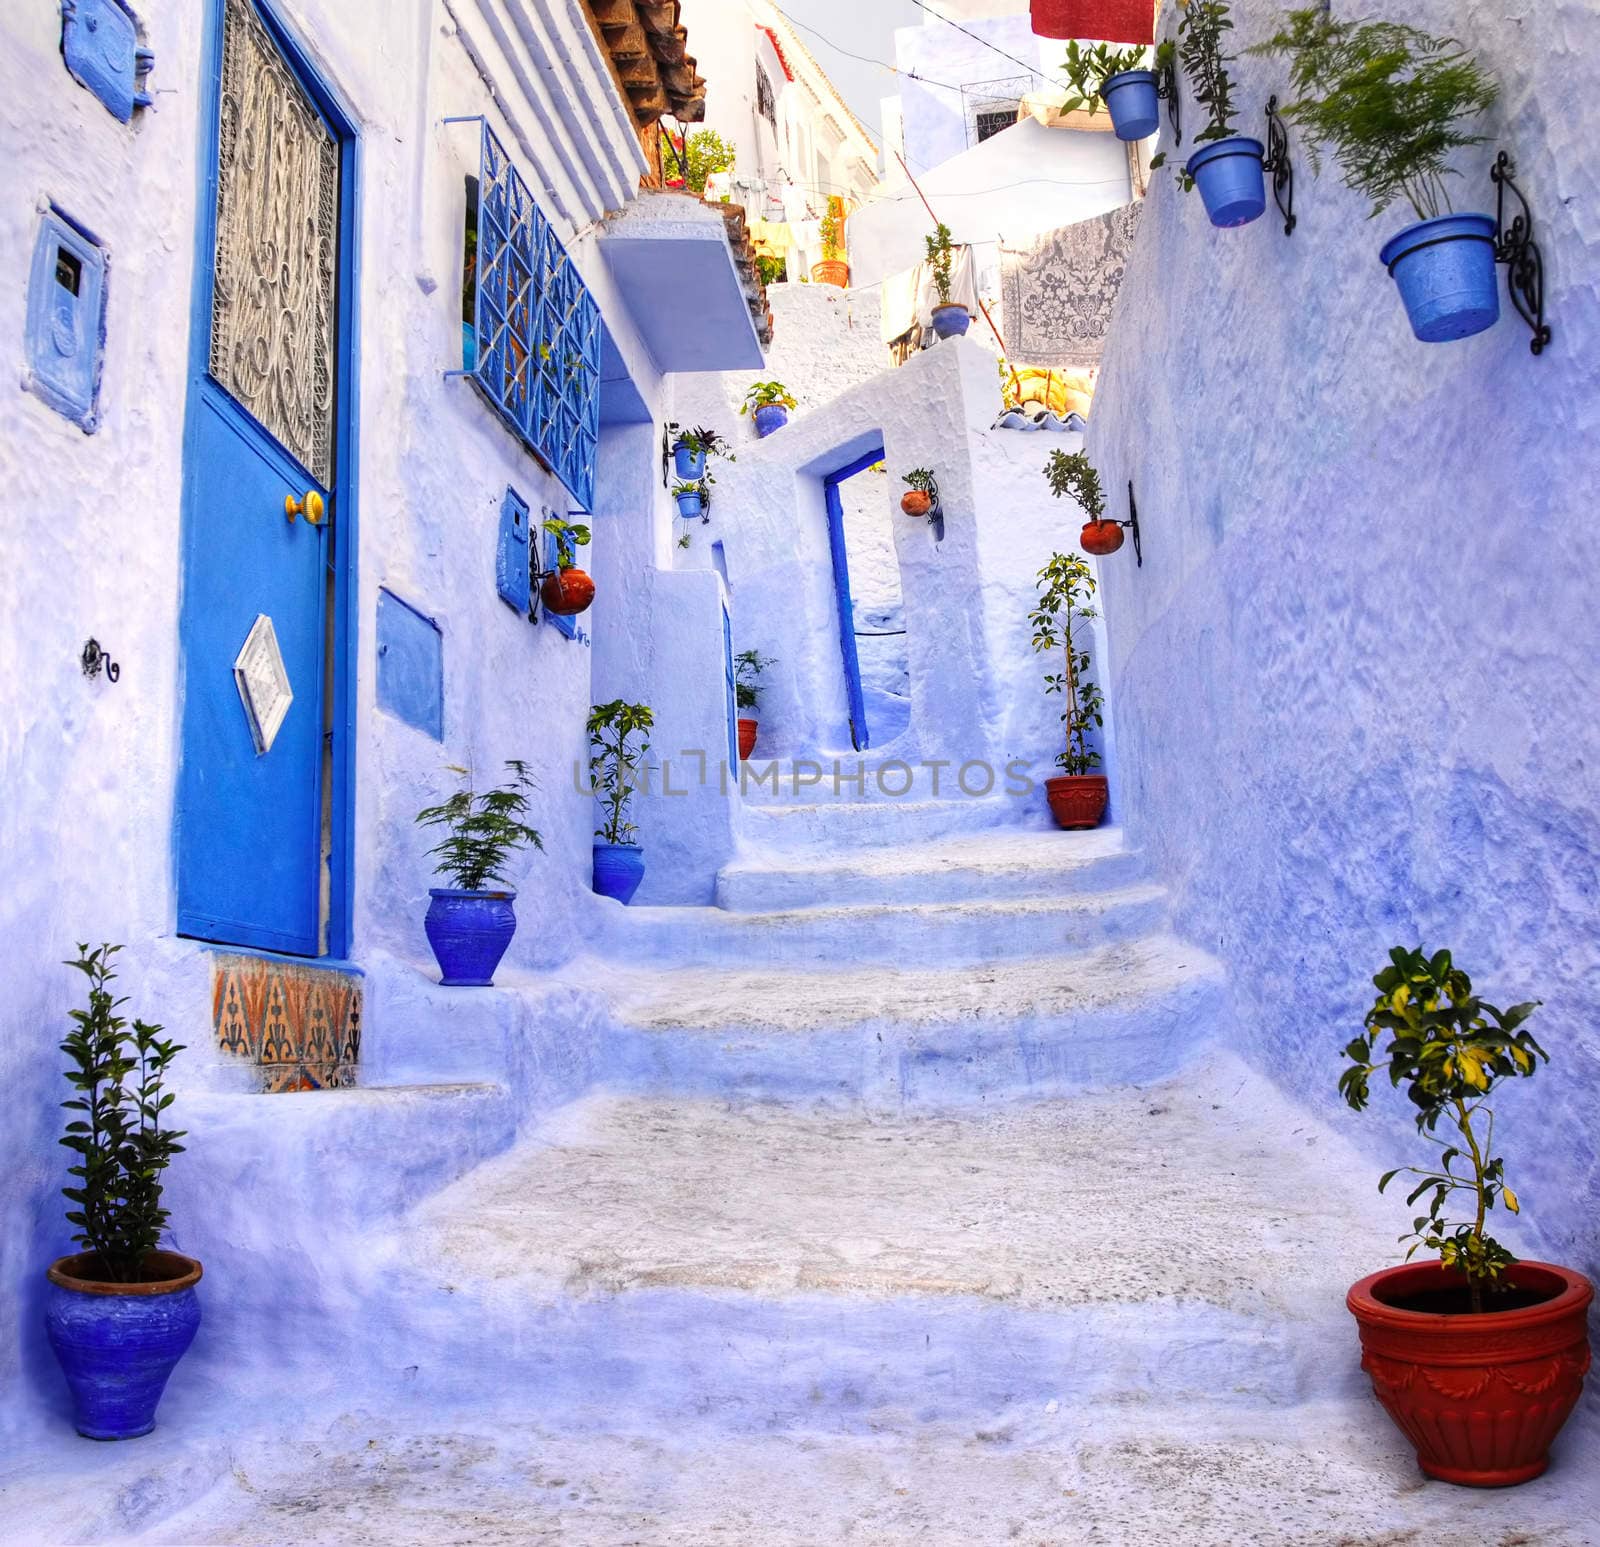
(1445, 269)
(690, 504)
(618, 870)
(469, 933)
(770, 417)
(689, 465)
(1229, 176)
(1133, 102)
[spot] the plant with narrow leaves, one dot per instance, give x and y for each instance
(118, 1073)
(1390, 101)
(569, 538)
(1450, 1050)
(920, 478)
(1088, 70)
(748, 665)
(482, 831)
(1202, 28)
(766, 394)
(1066, 591)
(701, 441)
(615, 763)
(1075, 476)
(938, 250)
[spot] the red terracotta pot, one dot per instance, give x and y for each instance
(747, 737)
(916, 502)
(567, 592)
(1110, 21)
(832, 271)
(1480, 1397)
(1077, 800)
(1101, 538)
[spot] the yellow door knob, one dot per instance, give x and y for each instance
(311, 507)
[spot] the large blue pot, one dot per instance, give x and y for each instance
(951, 321)
(1446, 272)
(618, 870)
(691, 504)
(773, 416)
(1229, 176)
(1133, 102)
(118, 1343)
(469, 933)
(689, 465)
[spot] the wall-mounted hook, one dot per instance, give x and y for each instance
(1282, 168)
(94, 658)
(1515, 247)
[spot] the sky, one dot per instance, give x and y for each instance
(863, 27)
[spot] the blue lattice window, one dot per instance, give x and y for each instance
(535, 327)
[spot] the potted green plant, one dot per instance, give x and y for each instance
(1394, 104)
(748, 666)
(1227, 167)
(1074, 476)
(122, 1312)
(615, 760)
(566, 590)
(768, 403)
(832, 270)
(1117, 77)
(470, 922)
(1066, 587)
(691, 499)
(950, 319)
(918, 498)
(1478, 1357)
(693, 447)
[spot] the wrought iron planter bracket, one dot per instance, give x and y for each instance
(935, 516)
(670, 431)
(1514, 246)
(1132, 525)
(94, 658)
(1167, 90)
(1280, 166)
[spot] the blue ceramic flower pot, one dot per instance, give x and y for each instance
(690, 505)
(469, 933)
(118, 1343)
(689, 465)
(951, 321)
(1229, 176)
(618, 870)
(1446, 272)
(1133, 102)
(769, 418)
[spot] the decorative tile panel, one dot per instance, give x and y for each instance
(300, 1025)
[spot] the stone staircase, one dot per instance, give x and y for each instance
(905, 1196)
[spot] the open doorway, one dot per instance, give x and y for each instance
(871, 608)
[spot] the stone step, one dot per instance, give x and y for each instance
(921, 934)
(846, 826)
(894, 1037)
(968, 867)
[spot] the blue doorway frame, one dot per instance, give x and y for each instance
(342, 537)
(860, 731)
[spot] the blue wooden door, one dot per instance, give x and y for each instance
(263, 488)
(860, 733)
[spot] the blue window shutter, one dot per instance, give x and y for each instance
(537, 328)
(66, 325)
(514, 553)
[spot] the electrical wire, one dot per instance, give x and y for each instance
(993, 48)
(861, 58)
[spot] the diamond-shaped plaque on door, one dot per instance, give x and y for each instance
(263, 683)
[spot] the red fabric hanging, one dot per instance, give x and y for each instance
(1112, 21)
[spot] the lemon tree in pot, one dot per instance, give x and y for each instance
(1077, 795)
(121, 1313)
(470, 924)
(1479, 1358)
(950, 318)
(1394, 104)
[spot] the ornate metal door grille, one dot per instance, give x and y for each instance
(272, 307)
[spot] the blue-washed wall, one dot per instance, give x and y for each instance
(1355, 679)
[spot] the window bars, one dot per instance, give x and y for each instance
(536, 327)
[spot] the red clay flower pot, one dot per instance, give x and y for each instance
(1101, 538)
(747, 738)
(832, 271)
(1480, 1397)
(916, 502)
(1077, 800)
(567, 592)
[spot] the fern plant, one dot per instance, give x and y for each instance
(1066, 592)
(482, 831)
(122, 1147)
(1391, 102)
(1449, 1049)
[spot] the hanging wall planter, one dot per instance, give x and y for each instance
(770, 417)
(1133, 99)
(1446, 272)
(688, 462)
(567, 592)
(1101, 538)
(1231, 181)
(951, 320)
(768, 403)
(690, 499)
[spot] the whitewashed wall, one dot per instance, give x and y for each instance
(1356, 676)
